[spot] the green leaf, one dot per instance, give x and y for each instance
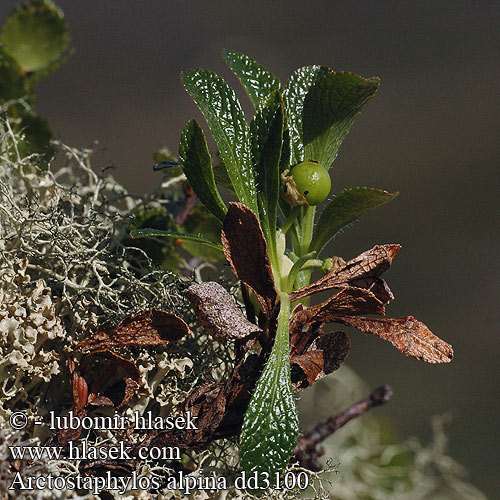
(220, 174)
(257, 81)
(223, 113)
(270, 428)
(297, 266)
(13, 84)
(157, 233)
(285, 152)
(267, 139)
(330, 107)
(195, 158)
(345, 209)
(295, 92)
(35, 35)
(203, 223)
(163, 254)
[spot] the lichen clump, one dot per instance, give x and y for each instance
(64, 273)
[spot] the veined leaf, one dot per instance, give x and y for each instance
(267, 139)
(220, 174)
(246, 249)
(155, 233)
(195, 158)
(285, 152)
(36, 35)
(223, 113)
(270, 428)
(257, 81)
(330, 107)
(345, 209)
(295, 92)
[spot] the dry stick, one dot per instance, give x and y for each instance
(309, 445)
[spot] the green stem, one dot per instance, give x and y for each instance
(297, 266)
(290, 219)
(307, 229)
(282, 342)
(305, 232)
(311, 263)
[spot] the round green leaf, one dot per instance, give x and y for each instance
(35, 35)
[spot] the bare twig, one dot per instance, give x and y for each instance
(309, 447)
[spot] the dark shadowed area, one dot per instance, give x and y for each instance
(431, 133)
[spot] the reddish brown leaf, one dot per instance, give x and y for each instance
(369, 264)
(408, 335)
(207, 403)
(80, 392)
(111, 378)
(149, 328)
(130, 391)
(324, 356)
(335, 347)
(310, 365)
(64, 436)
(16, 465)
(246, 250)
(218, 313)
(377, 286)
(96, 400)
(350, 301)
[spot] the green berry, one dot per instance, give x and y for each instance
(312, 180)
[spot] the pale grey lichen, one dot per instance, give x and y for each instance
(28, 322)
(65, 272)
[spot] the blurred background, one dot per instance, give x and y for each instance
(431, 133)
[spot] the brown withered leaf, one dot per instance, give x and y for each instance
(246, 250)
(369, 264)
(408, 335)
(149, 328)
(324, 356)
(64, 436)
(335, 347)
(208, 405)
(377, 286)
(111, 378)
(218, 313)
(350, 301)
(305, 368)
(80, 391)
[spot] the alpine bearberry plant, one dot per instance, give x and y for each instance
(277, 167)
